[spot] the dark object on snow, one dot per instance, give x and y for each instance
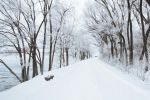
(49, 77)
(146, 69)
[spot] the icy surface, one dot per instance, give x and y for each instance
(87, 80)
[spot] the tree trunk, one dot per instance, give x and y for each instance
(130, 34)
(51, 44)
(60, 58)
(24, 74)
(67, 56)
(34, 61)
(144, 38)
(45, 34)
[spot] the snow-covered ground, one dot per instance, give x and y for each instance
(87, 80)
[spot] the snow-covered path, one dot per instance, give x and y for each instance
(87, 80)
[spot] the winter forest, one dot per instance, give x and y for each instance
(67, 46)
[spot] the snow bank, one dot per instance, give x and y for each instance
(87, 80)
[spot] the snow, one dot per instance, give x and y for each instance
(91, 79)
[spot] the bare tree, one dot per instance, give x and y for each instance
(55, 32)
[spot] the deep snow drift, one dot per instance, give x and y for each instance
(87, 80)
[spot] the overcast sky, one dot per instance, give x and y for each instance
(81, 5)
(80, 8)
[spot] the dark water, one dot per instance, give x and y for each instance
(7, 80)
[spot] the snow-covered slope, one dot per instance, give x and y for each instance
(87, 80)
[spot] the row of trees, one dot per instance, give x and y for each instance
(123, 27)
(25, 23)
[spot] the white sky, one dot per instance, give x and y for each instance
(81, 6)
(78, 4)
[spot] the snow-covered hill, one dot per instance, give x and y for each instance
(87, 80)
